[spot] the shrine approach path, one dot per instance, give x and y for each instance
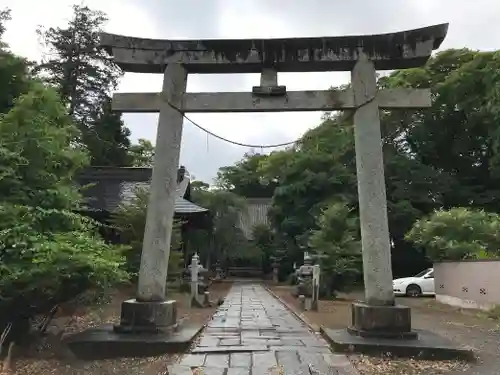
(253, 333)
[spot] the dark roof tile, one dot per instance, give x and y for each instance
(111, 186)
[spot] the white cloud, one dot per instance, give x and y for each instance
(472, 25)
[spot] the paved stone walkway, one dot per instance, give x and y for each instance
(252, 333)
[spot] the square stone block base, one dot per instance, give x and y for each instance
(104, 342)
(427, 345)
(381, 321)
(145, 329)
(154, 317)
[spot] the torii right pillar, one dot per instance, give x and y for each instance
(378, 324)
(377, 315)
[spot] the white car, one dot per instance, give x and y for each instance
(421, 284)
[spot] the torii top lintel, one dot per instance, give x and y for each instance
(404, 49)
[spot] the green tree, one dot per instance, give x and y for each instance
(130, 219)
(14, 71)
(142, 154)
(48, 253)
(264, 239)
(107, 139)
(84, 73)
(245, 178)
(228, 242)
(15, 79)
(458, 233)
(337, 242)
(440, 157)
(197, 186)
(456, 137)
(320, 168)
(39, 159)
(5, 16)
(444, 156)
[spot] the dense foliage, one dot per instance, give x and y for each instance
(242, 180)
(142, 153)
(457, 234)
(49, 254)
(337, 242)
(225, 239)
(437, 158)
(85, 74)
(130, 220)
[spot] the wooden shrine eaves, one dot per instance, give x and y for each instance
(404, 49)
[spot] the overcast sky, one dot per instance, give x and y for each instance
(473, 24)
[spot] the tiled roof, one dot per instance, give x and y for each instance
(112, 186)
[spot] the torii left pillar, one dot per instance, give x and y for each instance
(150, 310)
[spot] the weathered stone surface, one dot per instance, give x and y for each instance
(230, 349)
(381, 321)
(103, 342)
(238, 371)
(217, 360)
(398, 50)
(253, 332)
(428, 345)
(375, 242)
(160, 214)
(147, 316)
(193, 360)
(222, 102)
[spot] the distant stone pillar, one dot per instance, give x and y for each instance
(302, 302)
(315, 287)
(275, 266)
(206, 299)
(308, 303)
(218, 271)
(194, 278)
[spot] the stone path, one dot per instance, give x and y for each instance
(253, 333)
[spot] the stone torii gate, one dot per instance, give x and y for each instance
(362, 55)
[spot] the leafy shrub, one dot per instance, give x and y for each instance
(337, 241)
(48, 254)
(226, 241)
(130, 220)
(42, 267)
(456, 234)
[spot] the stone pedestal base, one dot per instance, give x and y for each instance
(195, 302)
(391, 322)
(147, 317)
(302, 302)
(145, 329)
(206, 299)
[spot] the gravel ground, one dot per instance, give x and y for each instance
(464, 327)
(48, 360)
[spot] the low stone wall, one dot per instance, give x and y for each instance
(472, 284)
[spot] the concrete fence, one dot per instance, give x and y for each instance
(473, 284)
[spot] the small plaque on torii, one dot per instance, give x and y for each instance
(269, 84)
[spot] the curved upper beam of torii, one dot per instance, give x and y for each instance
(399, 50)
